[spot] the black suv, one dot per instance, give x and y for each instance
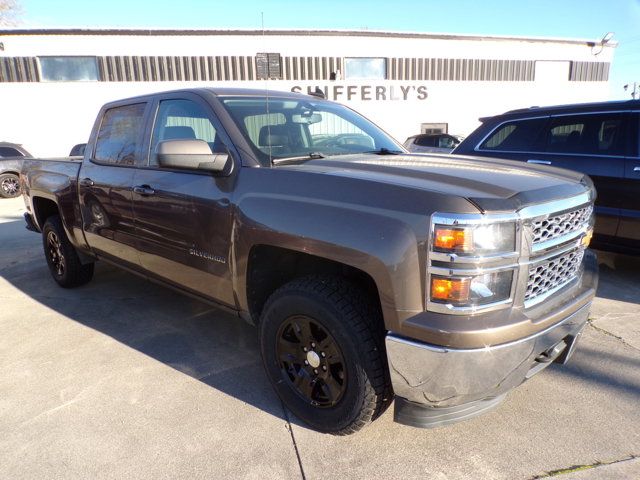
(599, 139)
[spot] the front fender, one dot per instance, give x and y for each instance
(379, 242)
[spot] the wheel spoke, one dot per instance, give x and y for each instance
(331, 388)
(289, 351)
(328, 347)
(302, 330)
(303, 383)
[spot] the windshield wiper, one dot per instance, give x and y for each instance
(303, 158)
(385, 151)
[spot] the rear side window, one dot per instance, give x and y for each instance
(119, 134)
(9, 152)
(425, 141)
(593, 134)
(516, 136)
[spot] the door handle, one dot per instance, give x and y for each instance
(86, 182)
(636, 169)
(144, 190)
(540, 162)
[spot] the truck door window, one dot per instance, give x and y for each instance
(119, 133)
(183, 119)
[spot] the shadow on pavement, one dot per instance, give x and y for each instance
(192, 337)
(619, 277)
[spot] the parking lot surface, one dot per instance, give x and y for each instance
(122, 378)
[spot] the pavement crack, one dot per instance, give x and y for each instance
(293, 439)
(608, 333)
(579, 468)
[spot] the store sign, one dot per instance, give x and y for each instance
(365, 93)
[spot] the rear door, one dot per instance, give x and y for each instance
(629, 227)
(183, 218)
(106, 181)
(595, 144)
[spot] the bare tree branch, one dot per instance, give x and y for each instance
(10, 12)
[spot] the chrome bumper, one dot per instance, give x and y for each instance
(443, 379)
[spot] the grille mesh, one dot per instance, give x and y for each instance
(559, 225)
(554, 273)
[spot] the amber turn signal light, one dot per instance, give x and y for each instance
(452, 239)
(450, 289)
(586, 240)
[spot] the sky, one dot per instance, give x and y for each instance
(581, 19)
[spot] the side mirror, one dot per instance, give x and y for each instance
(78, 150)
(191, 154)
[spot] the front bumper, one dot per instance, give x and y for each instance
(437, 385)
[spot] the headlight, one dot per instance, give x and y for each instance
(475, 240)
(471, 291)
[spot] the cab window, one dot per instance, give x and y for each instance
(119, 135)
(183, 120)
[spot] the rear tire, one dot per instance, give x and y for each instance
(64, 263)
(9, 185)
(322, 345)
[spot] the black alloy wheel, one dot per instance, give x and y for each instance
(54, 249)
(311, 361)
(322, 343)
(63, 260)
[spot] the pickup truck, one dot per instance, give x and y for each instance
(370, 273)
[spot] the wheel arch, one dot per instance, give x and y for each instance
(269, 267)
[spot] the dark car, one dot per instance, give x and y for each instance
(599, 139)
(431, 143)
(11, 155)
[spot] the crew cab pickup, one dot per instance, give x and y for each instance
(370, 273)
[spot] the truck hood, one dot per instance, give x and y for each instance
(491, 184)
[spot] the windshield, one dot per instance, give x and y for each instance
(285, 128)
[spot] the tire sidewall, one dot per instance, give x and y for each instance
(291, 303)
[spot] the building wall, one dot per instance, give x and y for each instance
(433, 79)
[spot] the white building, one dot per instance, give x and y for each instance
(52, 82)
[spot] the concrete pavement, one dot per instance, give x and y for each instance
(125, 379)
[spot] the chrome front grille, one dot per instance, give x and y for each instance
(557, 226)
(551, 275)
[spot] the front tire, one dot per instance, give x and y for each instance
(64, 263)
(322, 345)
(9, 185)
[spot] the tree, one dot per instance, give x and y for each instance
(10, 11)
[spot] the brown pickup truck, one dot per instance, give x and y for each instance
(371, 274)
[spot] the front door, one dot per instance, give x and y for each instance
(183, 218)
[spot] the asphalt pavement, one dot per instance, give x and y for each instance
(123, 378)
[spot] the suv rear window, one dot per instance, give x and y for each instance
(515, 136)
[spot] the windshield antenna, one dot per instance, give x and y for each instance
(266, 87)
